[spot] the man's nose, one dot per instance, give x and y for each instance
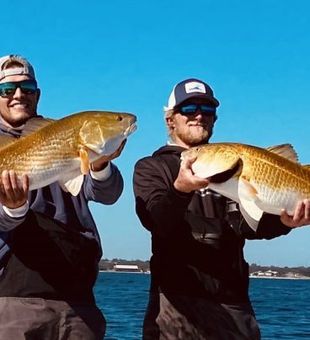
(198, 114)
(18, 93)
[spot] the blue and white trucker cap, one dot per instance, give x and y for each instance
(26, 69)
(190, 88)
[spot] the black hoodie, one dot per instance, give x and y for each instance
(197, 239)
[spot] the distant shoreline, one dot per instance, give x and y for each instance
(255, 271)
(279, 277)
(124, 271)
(250, 276)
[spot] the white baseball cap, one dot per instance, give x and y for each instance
(190, 88)
(26, 69)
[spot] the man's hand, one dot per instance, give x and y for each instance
(103, 161)
(186, 180)
(301, 215)
(13, 192)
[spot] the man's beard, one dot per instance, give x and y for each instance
(192, 139)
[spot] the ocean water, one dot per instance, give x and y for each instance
(282, 306)
(122, 297)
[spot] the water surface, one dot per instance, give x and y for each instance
(282, 306)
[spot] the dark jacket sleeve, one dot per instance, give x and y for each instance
(106, 191)
(270, 226)
(160, 207)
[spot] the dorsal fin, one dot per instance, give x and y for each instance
(284, 150)
(6, 140)
(35, 123)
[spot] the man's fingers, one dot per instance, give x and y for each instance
(299, 211)
(13, 190)
(301, 216)
(25, 183)
(13, 179)
(285, 218)
(6, 182)
(307, 208)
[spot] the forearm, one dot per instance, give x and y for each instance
(160, 207)
(168, 211)
(269, 227)
(105, 190)
(9, 221)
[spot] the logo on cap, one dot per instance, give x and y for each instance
(194, 86)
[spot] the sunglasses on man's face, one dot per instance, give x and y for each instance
(26, 86)
(191, 109)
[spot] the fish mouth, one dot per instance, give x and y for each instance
(132, 128)
(227, 174)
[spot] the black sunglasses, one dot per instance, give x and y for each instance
(190, 109)
(26, 86)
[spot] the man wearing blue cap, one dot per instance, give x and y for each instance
(199, 278)
(49, 243)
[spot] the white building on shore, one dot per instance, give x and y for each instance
(126, 268)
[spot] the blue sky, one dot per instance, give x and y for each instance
(127, 55)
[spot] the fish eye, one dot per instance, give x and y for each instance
(119, 118)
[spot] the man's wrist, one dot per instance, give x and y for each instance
(17, 212)
(97, 168)
(102, 174)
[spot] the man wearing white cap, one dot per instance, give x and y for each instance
(199, 278)
(49, 243)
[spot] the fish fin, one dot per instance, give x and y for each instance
(99, 143)
(85, 166)
(246, 189)
(284, 150)
(35, 123)
(228, 188)
(72, 185)
(91, 128)
(6, 140)
(248, 203)
(252, 222)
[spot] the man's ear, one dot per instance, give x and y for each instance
(170, 122)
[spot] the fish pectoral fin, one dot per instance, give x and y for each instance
(72, 185)
(248, 209)
(284, 150)
(248, 203)
(91, 136)
(246, 190)
(85, 166)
